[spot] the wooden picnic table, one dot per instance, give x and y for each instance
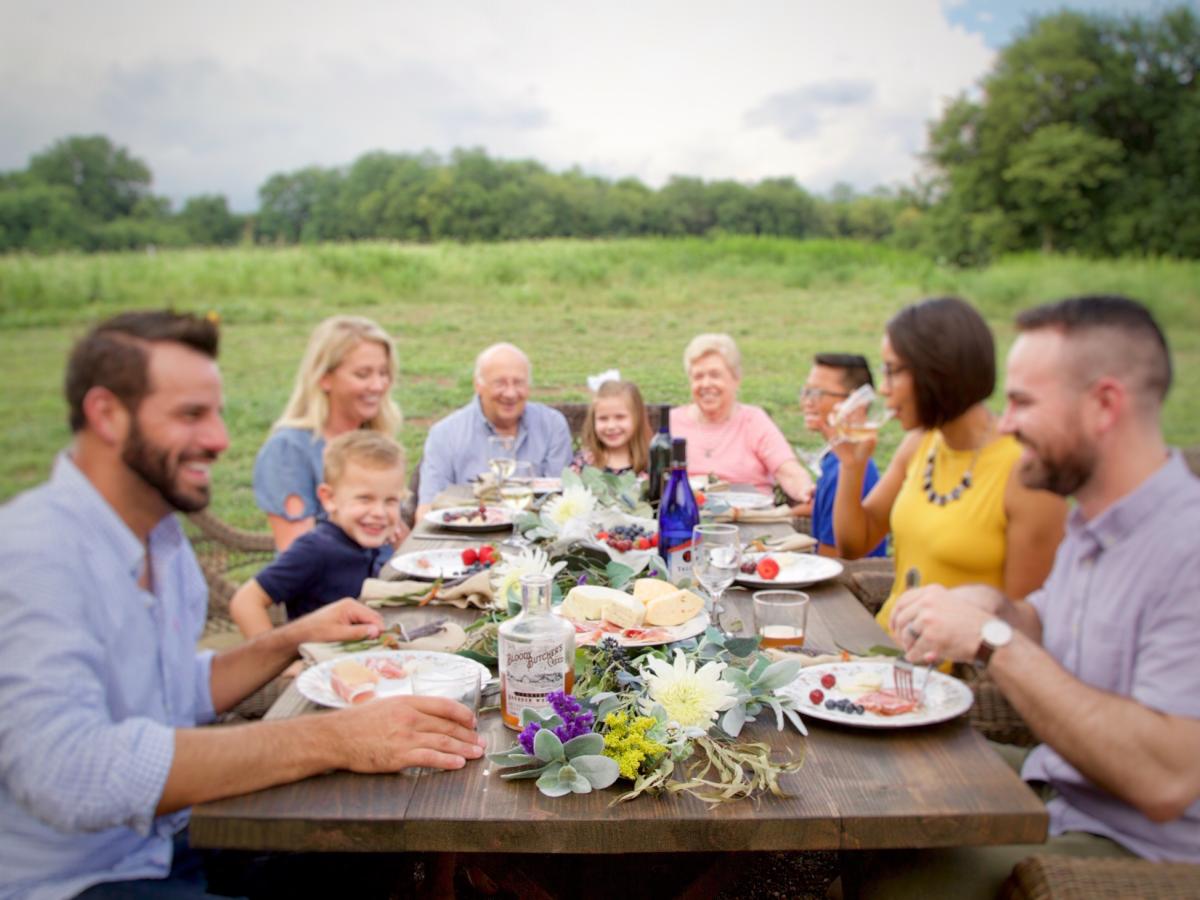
(939, 785)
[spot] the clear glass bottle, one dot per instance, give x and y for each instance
(537, 653)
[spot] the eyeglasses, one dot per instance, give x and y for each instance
(816, 393)
(890, 372)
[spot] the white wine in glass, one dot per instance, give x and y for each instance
(501, 456)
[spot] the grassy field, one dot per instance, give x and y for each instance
(576, 307)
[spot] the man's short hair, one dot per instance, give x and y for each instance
(363, 447)
(855, 369)
(487, 352)
(1136, 347)
(950, 355)
(113, 355)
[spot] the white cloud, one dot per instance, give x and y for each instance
(216, 97)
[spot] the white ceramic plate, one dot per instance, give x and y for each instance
(429, 565)
(743, 499)
(801, 570)
(314, 684)
(588, 634)
(945, 697)
(498, 519)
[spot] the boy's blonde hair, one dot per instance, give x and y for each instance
(364, 448)
(331, 342)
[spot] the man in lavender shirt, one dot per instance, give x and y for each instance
(101, 604)
(1102, 662)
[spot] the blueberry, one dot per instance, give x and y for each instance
(831, 704)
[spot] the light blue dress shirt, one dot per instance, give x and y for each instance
(95, 675)
(456, 449)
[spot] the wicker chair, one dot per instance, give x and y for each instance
(1044, 877)
(227, 556)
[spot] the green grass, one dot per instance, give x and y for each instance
(577, 307)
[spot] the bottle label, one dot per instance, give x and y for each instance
(679, 561)
(531, 672)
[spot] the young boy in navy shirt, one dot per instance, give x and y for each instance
(361, 493)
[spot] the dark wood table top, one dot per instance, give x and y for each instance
(939, 785)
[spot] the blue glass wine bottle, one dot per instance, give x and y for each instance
(678, 514)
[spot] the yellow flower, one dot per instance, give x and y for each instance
(626, 743)
(691, 698)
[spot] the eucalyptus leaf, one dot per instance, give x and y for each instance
(547, 746)
(513, 757)
(758, 667)
(545, 719)
(526, 773)
(583, 745)
(618, 574)
(600, 771)
(741, 647)
(733, 720)
(551, 785)
(739, 677)
(794, 718)
(778, 674)
(482, 658)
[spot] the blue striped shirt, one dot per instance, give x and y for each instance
(95, 675)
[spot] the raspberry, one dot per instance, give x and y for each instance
(815, 696)
(487, 554)
(767, 568)
(470, 556)
(828, 680)
(642, 543)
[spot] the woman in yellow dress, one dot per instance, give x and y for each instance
(951, 497)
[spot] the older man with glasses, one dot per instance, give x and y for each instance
(831, 380)
(456, 449)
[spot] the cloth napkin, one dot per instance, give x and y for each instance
(476, 591)
(769, 514)
(447, 641)
(793, 543)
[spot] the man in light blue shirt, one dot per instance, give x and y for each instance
(101, 604)
(456, 449)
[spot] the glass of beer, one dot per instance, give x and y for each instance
(781, 618)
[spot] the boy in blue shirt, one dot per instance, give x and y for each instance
(361, 493)
(830, 381)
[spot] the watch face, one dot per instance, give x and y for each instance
(996, 632)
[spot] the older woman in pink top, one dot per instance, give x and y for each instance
(734, 441)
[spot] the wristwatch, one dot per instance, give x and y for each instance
(994, 634)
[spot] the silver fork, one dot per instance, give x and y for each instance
(902, 669)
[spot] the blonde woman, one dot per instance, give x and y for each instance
(734, 441)
(344, 382)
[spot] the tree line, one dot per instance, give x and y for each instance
(1084, 137)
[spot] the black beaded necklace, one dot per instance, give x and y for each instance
(964, 483)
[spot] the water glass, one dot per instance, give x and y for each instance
(458, 683)
(716, 556)
(781, 618)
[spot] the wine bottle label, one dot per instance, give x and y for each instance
(679, 561)
(531, 672)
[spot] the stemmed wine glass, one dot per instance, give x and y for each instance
(859, 416)
(502, 456)
(716, 555)
(516, 493)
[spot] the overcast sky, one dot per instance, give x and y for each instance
(217, 96)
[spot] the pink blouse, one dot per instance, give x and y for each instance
(747, 448)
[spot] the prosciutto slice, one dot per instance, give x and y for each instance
(886, 703)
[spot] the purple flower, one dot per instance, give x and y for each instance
(582, 579)
(525, 738)
(575, 721)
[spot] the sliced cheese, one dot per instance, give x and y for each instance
(646, 589)
(623, 610)
(674, 608)
(586, 601)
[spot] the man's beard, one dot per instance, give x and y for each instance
(1063, 473)
(154, 465)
